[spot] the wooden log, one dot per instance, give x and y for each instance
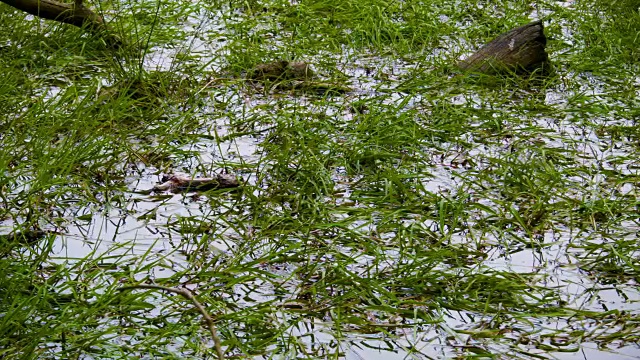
(519, 50)
(75, 14)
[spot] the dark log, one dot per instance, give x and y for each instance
(519, 50)
(75, 14)
(177, 183)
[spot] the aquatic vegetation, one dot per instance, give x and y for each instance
(390, 206)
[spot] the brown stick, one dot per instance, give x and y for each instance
(189, 296)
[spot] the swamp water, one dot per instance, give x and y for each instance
(424, 214)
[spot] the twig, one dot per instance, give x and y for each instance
(189, 296)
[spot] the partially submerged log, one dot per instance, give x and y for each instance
(519, 50)
(75, 14)
(178, 182)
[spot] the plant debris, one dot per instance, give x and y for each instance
(180, 182)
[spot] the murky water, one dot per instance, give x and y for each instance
(145, 222)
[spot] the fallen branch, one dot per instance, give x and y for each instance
(75, 14)
(177, 182)
(189, 296)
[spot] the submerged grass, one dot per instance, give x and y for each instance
(423, 214)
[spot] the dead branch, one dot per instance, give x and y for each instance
(75, 14)
(189, 296)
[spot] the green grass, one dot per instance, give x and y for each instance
(424, 214)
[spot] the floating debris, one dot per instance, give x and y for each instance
(180, 182)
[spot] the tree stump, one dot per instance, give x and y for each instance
(520, 50)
